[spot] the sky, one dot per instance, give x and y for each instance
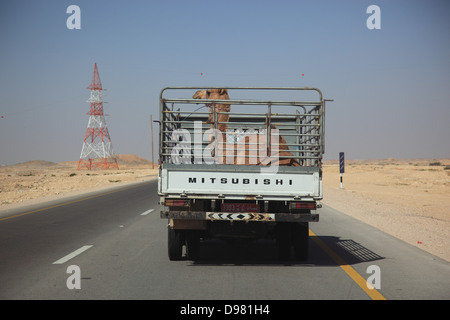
(390, 86)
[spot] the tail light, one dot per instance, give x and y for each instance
(176, 203)
(303, 205)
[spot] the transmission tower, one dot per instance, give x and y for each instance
(97, 151)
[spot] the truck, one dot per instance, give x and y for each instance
(241, 166)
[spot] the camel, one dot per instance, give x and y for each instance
(216, 94)
(257, 141)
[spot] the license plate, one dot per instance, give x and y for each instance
(240, 207)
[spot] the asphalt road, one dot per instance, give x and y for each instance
(119, 247)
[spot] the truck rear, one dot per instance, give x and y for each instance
(238, 168)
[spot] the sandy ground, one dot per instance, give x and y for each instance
(409, 199)
(38, 181)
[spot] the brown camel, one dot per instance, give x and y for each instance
(216, 94)
(254, 141)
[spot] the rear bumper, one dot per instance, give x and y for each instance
(240, 216)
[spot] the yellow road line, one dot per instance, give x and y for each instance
(66, 203)
(360, 281)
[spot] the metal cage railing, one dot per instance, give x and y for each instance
(301, 125)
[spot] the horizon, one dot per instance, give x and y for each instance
(156, 162)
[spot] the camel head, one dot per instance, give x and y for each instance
(216, 94)
(219, 94)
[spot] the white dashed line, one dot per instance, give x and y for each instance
(147, 212)
(84, 248)
(71, 255)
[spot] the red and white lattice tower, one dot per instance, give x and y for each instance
(97, 151)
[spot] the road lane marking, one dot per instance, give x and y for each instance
(147, 212)
(72, 255)
(360, 281)
(69, 202)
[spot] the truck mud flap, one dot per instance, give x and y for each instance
(240, 216)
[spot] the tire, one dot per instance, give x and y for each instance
(175, 244)
(283, 240)
(192, 244)
(300, 240)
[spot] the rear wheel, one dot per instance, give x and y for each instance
(192, 244)
(175, 244)
(283, 241)
(292, 235)
(300, 240)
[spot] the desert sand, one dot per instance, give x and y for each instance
(38, 181)
(408, 199)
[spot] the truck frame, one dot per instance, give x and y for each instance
(240, 199)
